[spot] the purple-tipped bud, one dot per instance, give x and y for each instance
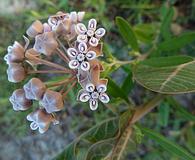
(34, 89)
(19, 100)
(45, 43)
(15, 53)
(52, 101)
(35, 29)
(16, 72)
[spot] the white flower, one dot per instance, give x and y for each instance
(92, 93)
(80, 57)
(90, 35)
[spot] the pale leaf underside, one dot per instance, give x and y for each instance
(168, 80)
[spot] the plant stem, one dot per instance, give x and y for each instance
(62, 55)
(61, 82)
(45, 62)
(73, 84)
(141, 111)
(49, 71)
(62, 45)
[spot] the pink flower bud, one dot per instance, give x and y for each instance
(15, 53)
(52, 101)
(35, 29)
(16, 72)
(34, 89)
(45, 43)
(40, 120)
(19, 100)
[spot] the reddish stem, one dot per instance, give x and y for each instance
(45, 62)
(73, 84)
(62, 55)
(49, 71)
(62, 82)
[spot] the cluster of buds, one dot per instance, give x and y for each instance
(77, 46)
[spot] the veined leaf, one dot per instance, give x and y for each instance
(120, 146)
(176, 43)
(168, 75)
(127, 33)
(167, 144)
(97, 142)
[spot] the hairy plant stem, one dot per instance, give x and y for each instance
(141, 111)
(59, 83)
(73, 84)
(45, 62)
(124, 136)
(48, 71)
(64, 48)
(62, 55)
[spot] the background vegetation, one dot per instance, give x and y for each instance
(152, 21)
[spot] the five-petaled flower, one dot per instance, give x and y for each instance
(90, 35)
(92, 93)
(80, 57)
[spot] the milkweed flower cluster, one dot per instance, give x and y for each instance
(78, 47)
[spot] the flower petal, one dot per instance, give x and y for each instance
(42, 130)
(82, 47)
(80, 16)
(35, 29)
(73, 16)
(90, 55)
(97, 49)
(90, 87)
(72, 52)
(84, 97)
(93, 41)
(82, 38)
(92, 24)
(101, 88)
(104, 98)
(83, 77)
(93, 104)
(34, 126)
(85, 66)
(73, 64)
(100, 33)
(80, 28)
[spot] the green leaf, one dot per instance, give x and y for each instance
(115, 91)
(179, 108)
(166, 23)
(127, 84)
(167, 144)
(145, 32)
(127, 33)
(164, 111)
(97, 142)
(176, 43)
(168, 75)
